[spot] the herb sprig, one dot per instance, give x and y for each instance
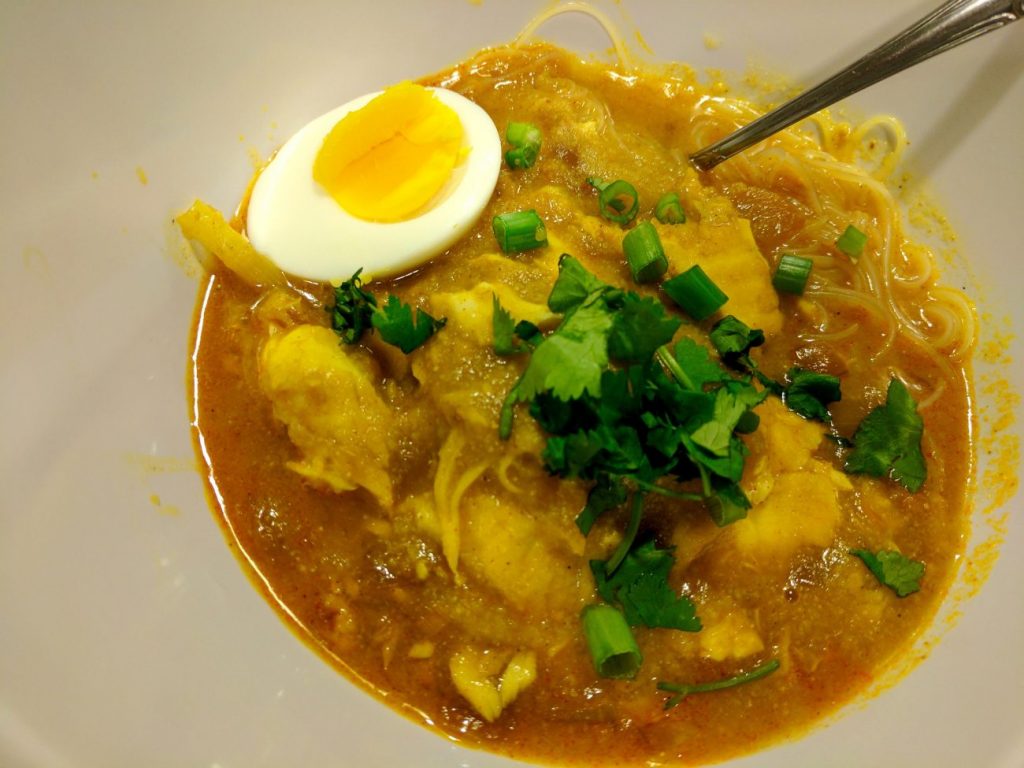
(355, 311)
(893, 569)
(888, 441)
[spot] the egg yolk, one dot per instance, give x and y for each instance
(386, 161)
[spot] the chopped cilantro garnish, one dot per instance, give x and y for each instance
(809, 393)
(504, 328)
(734, 339)
(573, 285)
(888, 441)
(510, 337)
(806, 392)
(692, 366)
(901, 574)
(355, 311)
(640, 327)
(570, 361)
(640, 587)
(397, 326)
(596, 385)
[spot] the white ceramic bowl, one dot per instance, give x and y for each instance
(128, 633)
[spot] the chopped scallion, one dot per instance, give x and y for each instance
(610, 640)
(669, 210)
(519, 231)
(695, 293)
(644, 253)
(852, 242)
(618, 199)
(524, 140)
(791, 274)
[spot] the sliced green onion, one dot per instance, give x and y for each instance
(683, 690)
(644, 253)
(695, 293)
(610, 640)
(618, 200)
(791, 274)
(852, 242)
(669, 210)
(519, 231)
(524, 139)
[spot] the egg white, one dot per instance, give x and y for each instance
(298, 225)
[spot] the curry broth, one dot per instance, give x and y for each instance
(371, 586)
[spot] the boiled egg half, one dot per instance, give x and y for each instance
(383, 183)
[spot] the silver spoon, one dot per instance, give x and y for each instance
(954, 22)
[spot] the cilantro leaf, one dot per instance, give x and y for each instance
(504, 327)
(901, 574)
(506, 330)
(353, 309)
(562, 417)
(571, 360)
(888, 441)
(809, 393)
(695, 361)
(573, 286)
(734, 339)
(622, 394)
(639, 328)
(686, 408)
(587, 454)
(640, 587)
(731, 402)
(394, 321)
(728, 466)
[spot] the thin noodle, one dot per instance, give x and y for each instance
(579, 7)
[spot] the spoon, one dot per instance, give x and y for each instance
(949, 25)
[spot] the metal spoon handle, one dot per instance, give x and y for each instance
(949, 25)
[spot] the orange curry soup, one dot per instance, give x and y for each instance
(438, 564)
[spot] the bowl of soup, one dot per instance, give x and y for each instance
(469, 424)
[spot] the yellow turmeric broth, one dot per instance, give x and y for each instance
(440, 566)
